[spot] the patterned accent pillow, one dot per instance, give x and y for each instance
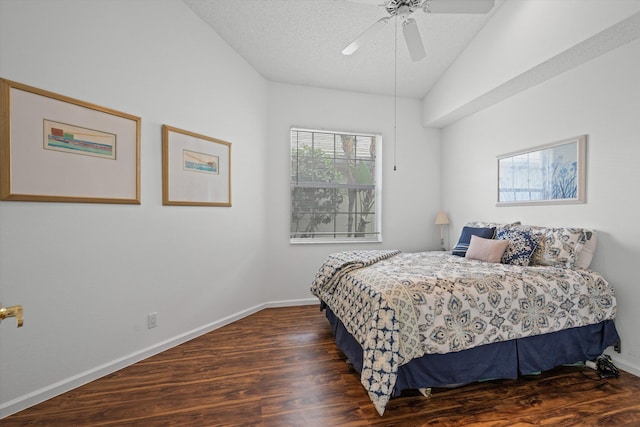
(497, 225)
(558, 247)
(521, 246)
(465, 238)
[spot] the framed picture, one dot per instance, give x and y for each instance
(58, 149)
(196, 169)
(548, 174)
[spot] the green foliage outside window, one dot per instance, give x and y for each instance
(333, 186)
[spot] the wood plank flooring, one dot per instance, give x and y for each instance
(280, 367)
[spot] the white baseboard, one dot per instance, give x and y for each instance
(63, 386)
(293, 302)
(624, 365)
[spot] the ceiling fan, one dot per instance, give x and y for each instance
(403, 9)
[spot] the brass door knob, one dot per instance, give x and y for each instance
(13, 311)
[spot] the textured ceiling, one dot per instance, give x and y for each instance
(299, 42)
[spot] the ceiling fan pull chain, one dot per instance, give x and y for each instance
(395, 95)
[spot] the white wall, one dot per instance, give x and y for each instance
(524, 43)
(601, 98)
(411, 194)
(86, 288)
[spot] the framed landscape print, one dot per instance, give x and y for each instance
(54, 148)
(196, 169)
(548, 174)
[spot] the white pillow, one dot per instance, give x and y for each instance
(488, 250)
(587, 249)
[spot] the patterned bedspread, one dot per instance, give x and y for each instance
(400, 306)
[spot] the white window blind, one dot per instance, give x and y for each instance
(335, 186)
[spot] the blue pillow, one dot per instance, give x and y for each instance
(520, 248)
(463, 242)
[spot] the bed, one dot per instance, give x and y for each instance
(438, 319)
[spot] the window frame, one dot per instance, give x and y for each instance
(376, 235)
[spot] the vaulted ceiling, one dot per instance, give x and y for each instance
(300, 42)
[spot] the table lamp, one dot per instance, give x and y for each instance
(442, 220)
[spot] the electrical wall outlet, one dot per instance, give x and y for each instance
(152, 320)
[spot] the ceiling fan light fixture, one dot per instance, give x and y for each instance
(402, 9)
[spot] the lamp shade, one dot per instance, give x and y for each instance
(442, 218)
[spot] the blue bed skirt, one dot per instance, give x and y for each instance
(503, 360)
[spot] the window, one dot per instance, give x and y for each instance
(335, 186)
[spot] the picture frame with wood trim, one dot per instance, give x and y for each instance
(196, 169)
(54, 148)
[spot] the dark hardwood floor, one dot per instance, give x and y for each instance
(280, 367)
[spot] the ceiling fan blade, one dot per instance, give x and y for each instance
(366, 35)
(413, 39)
(458, 6)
